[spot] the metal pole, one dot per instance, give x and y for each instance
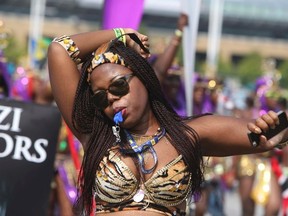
(37, 14)
(192, 9)
(214, 35)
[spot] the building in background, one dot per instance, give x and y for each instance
(248, 25)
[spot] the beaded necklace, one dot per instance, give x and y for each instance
(139, 139)
(141, 148)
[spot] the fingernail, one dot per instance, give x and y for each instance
(257, 130)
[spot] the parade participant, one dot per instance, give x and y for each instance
(257, 182)
(162, 62)
(205, 100)
(168, 72)
(140, 157)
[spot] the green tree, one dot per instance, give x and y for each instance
(13, 52)
(283, 68)
(249, 68)
(225, 69)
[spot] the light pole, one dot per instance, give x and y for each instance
(37, 14)
(192, 9)
(214, 36)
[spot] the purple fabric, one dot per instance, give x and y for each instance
(122, 14)
(181, 108)
(262, 86)
(70, 190)
(20, 89)
(206, 105)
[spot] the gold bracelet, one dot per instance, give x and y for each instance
(281, 145)
(69, 45)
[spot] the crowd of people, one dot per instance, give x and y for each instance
(140, 152)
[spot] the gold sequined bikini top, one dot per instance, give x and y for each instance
(115, 182)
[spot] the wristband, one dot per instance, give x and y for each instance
(178, 33)
(69, 45)
(119, 33)
(123, 36)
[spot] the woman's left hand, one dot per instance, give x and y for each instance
(143, 38)
(262, 124)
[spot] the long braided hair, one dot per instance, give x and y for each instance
(88, 119)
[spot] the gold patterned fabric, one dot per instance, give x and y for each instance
(69, 45)
(130, 205)
(106, 57)
(115, 183)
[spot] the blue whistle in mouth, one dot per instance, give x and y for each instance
(118, 118)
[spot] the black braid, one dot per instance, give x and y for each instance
(87, 119)
(83, 110)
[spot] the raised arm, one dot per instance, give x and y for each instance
(165, 59)
(63, 71)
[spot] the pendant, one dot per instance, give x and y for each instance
(139, 196)
(116, 132)
(118, 118)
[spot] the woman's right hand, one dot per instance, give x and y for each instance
(131, 43)
(182, 21)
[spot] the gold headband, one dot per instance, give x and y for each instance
(106, 57)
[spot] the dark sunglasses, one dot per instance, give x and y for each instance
(119, 87)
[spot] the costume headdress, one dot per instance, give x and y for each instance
(102, 58)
